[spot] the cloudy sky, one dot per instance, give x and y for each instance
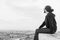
(25, 14)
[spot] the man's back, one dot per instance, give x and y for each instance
(50, 21)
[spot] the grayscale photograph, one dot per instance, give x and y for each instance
(29, 20)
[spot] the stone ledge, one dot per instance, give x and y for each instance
(48, 37)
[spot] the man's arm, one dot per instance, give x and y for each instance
(43, 24)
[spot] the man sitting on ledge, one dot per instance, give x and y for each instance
(49, 21)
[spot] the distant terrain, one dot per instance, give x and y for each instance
(22, 35)
(17, 35)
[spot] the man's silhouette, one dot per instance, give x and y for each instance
(49, 22)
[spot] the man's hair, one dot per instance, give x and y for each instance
(48, 8)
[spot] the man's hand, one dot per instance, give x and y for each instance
(43, 24)
(40, 27)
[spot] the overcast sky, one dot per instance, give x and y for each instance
(25, 14)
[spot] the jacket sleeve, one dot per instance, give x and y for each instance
(43, 24)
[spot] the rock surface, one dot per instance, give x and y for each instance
(49, 36)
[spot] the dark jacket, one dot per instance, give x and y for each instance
(50, 22)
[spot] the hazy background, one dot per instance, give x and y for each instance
(25, 14)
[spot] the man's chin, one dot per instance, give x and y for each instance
(44, 11)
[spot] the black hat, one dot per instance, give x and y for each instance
(48, 8)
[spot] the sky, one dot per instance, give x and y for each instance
(25, 14)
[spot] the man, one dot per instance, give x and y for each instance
(49, 22)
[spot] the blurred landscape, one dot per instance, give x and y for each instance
(16, 35)
(24, 35)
